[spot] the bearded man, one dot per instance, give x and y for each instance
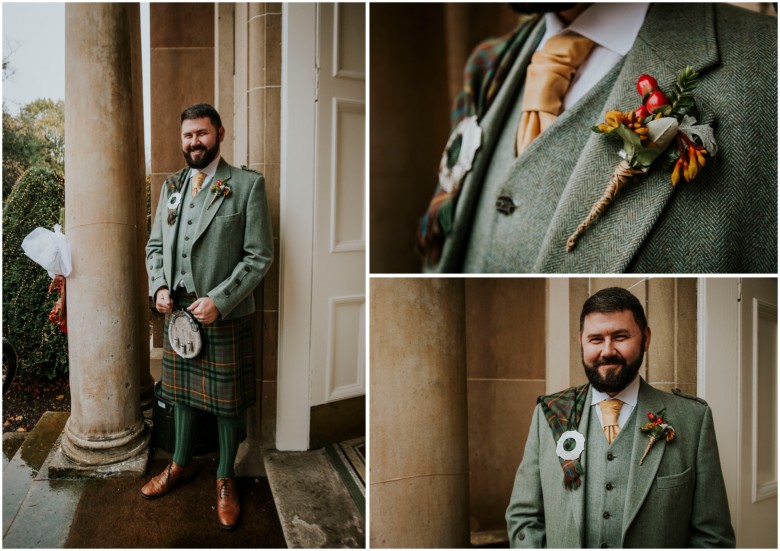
(210, 246)
(590, 476)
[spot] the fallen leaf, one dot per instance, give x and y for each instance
(60, 397)
(21, 429)
(19, 418)
(7, 424)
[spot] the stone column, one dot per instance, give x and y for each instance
(419, 448)
(103, 172)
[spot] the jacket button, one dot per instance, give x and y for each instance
(247, 268)
(237, 281)
(610, 456)
(521, 536)
(189, 222)
(605, 514)
(227, 293)
(609, 486)
(603, 545)
(505, 205)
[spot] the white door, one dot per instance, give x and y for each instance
(738, 378)
(322, 248)
(338, 290)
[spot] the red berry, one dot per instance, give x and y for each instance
(659, 421)
(650, 415)
(641, 114)
(655, 100)
(646, 84)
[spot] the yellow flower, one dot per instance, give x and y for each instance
(692, 170)
(677, 170)
(613, 120)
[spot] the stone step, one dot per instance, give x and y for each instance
(315, 507)
(37, 512)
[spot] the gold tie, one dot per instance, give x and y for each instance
(610, 410)
(197, 181)
(549, 77)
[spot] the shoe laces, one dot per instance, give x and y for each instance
(224, 489)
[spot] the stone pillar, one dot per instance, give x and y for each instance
(419, 449)
(103, 123)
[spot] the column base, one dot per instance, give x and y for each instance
(128, 460)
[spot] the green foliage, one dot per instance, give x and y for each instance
(681, 99)
(35, 137)
(35, 201)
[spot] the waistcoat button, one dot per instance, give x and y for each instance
(610, 456)
(605, 515)
(609, 486)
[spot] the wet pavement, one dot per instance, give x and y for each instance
(37, 511)
(314, 507)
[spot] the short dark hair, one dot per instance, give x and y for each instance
(200, 110)
(614, 299)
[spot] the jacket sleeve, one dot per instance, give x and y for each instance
(525, 514)
(710, 519)
(154, 249)
(258, 252)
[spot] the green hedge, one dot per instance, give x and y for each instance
(42, 348)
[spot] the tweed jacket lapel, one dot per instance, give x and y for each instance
(171, 230)
(663, 47)
(641, 477)
(223, 174)
(491, 124)
(577, 497)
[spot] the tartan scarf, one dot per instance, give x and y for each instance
(563, 412)
(485, 72)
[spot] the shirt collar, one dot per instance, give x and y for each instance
(600, 22)
(628, 395)
(210, 169)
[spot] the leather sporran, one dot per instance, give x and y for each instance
(184, 334)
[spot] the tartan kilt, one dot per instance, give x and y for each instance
(221, 378)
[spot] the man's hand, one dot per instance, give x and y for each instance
(204, 310)
(163, 302)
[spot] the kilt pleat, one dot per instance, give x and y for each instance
(220, 379)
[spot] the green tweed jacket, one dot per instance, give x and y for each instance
(676, 498)
(724, 221)
(232, 249)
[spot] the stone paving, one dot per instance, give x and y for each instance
(314, 506)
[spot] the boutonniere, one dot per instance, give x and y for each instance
(174, 199)
(219, 189)
(660, 126)
(656, 430)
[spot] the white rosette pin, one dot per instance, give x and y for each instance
(458, 156)
(570, 446)
(174, 200)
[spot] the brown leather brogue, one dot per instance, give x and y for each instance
(228, 507)
(172, 476)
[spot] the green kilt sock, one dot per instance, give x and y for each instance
(184, 422)
(227, 429)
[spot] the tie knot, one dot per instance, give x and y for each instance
(610, 410)
(567, 49)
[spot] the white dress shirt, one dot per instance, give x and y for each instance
(613, 27)
(628, 396)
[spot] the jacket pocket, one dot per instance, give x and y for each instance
(228, 219)
(673, 481)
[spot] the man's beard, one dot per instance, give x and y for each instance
(539, 7)
(209, 156)
(616, 379)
